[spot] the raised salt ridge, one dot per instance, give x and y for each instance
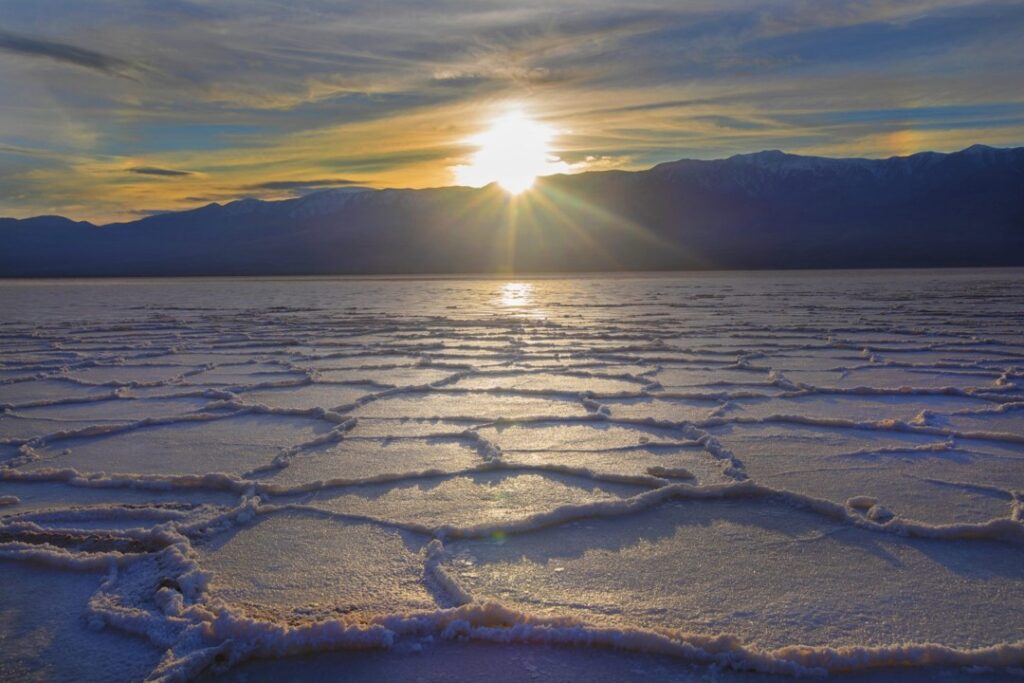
(739, 477)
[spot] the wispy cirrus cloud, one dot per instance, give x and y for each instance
(303, 185)
(31, 46)
(157, 171)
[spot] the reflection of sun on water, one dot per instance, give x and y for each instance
(515, 294)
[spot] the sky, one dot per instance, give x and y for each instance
(114, 110)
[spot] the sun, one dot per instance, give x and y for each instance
(512, 153)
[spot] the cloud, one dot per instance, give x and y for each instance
(318, 183)
(155, 170)
(67, 54)
(207, 198)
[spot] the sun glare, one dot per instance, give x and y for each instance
(512, 153)
(516, 294)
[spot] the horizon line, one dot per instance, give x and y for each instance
(493, 184)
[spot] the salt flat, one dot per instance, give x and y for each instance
(721, 476)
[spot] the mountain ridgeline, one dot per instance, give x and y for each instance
(763, 210)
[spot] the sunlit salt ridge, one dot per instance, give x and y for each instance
(664, 473)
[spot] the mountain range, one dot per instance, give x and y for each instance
(763, 210)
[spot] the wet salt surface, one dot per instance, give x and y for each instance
(687, 477)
